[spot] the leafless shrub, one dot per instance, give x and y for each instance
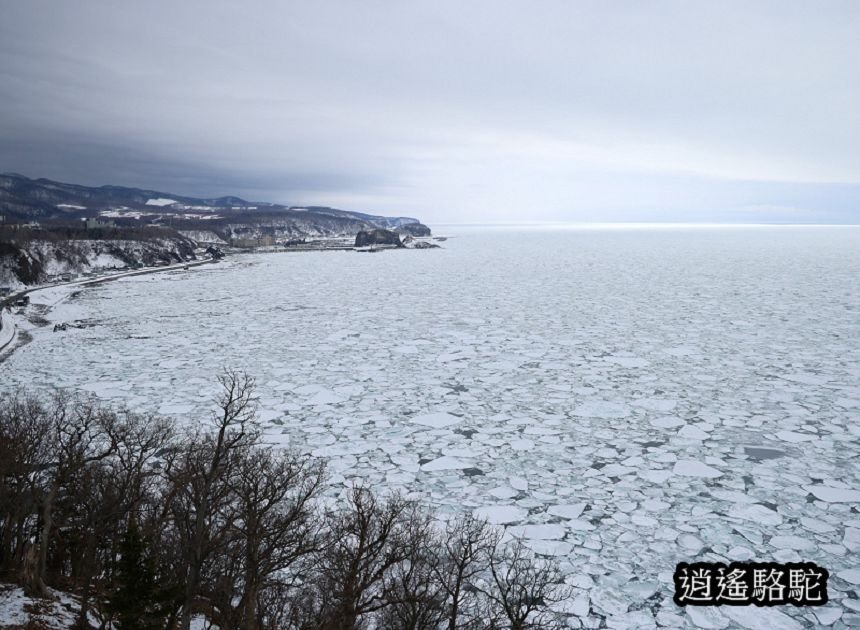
(142, 522)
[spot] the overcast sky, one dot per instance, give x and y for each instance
(450, 111)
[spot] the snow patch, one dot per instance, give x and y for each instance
(160, 202)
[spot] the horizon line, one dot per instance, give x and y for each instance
(635, 224)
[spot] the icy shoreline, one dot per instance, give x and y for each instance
(48, 296)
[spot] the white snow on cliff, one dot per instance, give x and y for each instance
(81, 256)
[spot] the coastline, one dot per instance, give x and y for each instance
(10, 322)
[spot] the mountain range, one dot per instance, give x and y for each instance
(23, 199)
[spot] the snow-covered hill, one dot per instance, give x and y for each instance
(24, 199)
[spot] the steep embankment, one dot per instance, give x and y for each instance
(33, 262)
(7, 329)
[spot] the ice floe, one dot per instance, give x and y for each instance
(834, 495)
(692, 468)
(445, 463)
(436, 420)
(621, 413)
(501, 514)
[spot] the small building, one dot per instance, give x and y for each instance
(96, 224)
(24, 300)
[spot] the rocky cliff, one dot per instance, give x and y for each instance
(378, 237)
(35, 261)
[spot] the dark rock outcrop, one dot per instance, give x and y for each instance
(415, 229)
(377, 237)
(20, 264)
(214, 252)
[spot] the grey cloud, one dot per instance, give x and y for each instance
(476, 111)
(95, 163)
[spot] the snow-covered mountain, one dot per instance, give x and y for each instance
(25, 199)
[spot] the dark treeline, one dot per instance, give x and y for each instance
(58, 232)
(150, 527)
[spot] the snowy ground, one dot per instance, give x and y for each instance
(623, 399)
(17, 610)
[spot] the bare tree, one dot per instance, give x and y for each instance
(105, 496)
(80, 434)
(24, 455)
(143, 440)
(521, 588)
(200, 489)
(366, 541)
(275, 523)
(460, 558)
(417, 601)
(276, 606)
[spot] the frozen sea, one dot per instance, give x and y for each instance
(625, 399)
